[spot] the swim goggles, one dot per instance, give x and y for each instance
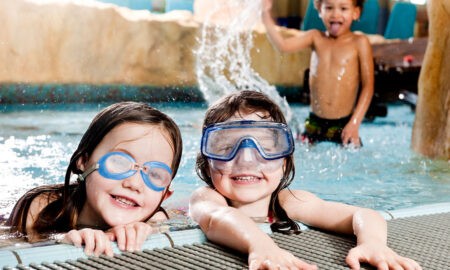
(118, 166)
(264, 143)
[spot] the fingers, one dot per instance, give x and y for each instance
(410, 264)
(73, 237)
(353, 258)
(142, 235)
(291, 262)
(95, 242)
(382, 259)
(131, 237)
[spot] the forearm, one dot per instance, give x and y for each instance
(369, 226)
(275, 38)
(233, 229)
(362, 106)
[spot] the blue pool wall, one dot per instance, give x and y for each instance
(22, 93)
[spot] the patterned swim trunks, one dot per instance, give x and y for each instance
(319, 129)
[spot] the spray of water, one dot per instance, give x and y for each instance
(223, 58)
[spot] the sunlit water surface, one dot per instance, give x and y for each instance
(36, 143)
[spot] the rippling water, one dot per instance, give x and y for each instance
(36, 143)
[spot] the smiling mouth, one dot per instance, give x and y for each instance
(246, 179)
(124, 201)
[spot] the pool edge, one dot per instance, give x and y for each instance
(50, 251)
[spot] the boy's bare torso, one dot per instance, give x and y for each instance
(334, 75)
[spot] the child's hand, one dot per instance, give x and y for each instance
(350, 134)
(263, 257)
(95, 242)
(379, 256)
(130, 237)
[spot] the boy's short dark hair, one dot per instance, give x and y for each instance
(357, 3)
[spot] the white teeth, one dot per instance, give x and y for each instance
(124, 201)
(245, 178)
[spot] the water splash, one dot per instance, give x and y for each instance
(223, 58)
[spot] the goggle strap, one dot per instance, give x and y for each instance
(82, 177)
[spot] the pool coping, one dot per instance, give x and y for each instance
(50, 251)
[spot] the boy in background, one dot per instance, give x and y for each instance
(341, 61)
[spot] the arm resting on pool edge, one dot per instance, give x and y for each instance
(230, 227)
(367, 225)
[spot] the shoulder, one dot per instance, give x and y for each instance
(159, 216)
(42, 200)
(37, 204)
(293, 200)
(296, 195)
(314, 34)
(361, 39)
(206, 203)
(206, 194)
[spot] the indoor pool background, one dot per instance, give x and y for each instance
(36, 143)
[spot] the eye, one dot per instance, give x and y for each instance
(118, 164)
(222, 148)
(159, 177)
(155, 175)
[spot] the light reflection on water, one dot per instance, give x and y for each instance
(36, 144)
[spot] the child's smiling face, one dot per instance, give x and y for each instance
(338, 15)
(116, 202)
(246, 183)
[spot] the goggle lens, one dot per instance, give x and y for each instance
(118, 166)
(222, 141)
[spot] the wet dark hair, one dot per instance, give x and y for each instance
(248, 101)
(356, 3)
(65, 201)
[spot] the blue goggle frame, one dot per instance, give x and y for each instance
(248, 141)
(103, 171)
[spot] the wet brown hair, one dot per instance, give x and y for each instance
(65, 201)
(357, 3)
(248, 101)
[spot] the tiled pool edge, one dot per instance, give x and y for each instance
(39, 254)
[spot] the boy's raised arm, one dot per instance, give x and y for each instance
(291, 44)
(228, 226)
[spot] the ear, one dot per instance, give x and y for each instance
(81, 163)
(318, 6)
(356, 13)
(168, 193)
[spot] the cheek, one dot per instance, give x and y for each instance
(216, 177)
(152, 199)
(97, 185)
(275, 176)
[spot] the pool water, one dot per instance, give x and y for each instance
(36, 143)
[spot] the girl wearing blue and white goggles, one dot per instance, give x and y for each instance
(118, 166)
(82, 211)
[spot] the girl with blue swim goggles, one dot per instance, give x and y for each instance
(260, 145)
(118, 166)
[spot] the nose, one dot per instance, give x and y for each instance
(246, 155)
(334, 12)
(134, 182)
